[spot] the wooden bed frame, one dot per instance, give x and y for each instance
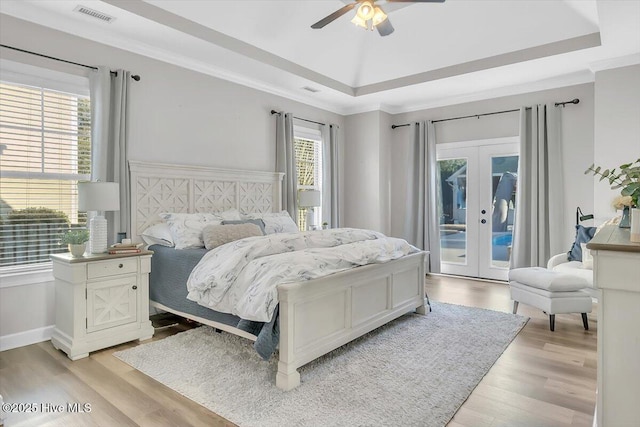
(316, 316)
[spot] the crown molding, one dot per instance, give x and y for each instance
(566, 80)
(621, 61)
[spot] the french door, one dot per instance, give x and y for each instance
(478, 188)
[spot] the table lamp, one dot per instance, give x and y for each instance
(100, 197)
(309, 199)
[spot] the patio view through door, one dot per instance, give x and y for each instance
(477, 198)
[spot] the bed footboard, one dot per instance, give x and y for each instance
(319, 316)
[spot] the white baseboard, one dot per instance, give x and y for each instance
(33, 336)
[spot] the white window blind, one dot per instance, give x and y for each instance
(45, 149)
(309, 170)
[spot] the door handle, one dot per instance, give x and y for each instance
(483, 212)
(134, 287)
(484, 221)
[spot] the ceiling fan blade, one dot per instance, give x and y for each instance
(385, 28)
(415, 1)
(335, 15)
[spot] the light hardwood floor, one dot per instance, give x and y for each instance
(544, 378)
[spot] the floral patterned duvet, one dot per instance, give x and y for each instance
(241, 277)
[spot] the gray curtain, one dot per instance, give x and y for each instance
(331, 186)
(109, 134)
(286, 163)
(539, 223)
(422, 227)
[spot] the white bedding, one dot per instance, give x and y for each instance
(241, 277)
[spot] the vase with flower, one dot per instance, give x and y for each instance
(626, 178)
(623, 203)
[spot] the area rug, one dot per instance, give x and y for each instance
(414, 371)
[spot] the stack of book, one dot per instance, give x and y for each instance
(122, 248)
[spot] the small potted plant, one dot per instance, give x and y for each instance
(325, 225)
(76, 238)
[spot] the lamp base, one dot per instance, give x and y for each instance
(310, 219)
(98, 235)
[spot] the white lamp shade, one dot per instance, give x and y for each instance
(308, 198)
(98, 196)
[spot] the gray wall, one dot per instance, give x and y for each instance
(617, 128)
(362, 171)
(577, 133)
(177, 116)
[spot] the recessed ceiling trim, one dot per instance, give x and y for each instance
(622, 61)
(186, 26)
(164, 17)
(537, 52)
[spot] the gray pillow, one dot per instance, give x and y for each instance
(583, 235)
(258, 222)
(217, 235)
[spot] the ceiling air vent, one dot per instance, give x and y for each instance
(94, 14)
(310, 89)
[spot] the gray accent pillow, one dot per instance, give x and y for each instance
(217, 235)
(258, 222)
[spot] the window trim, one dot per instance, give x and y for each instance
(25, 275)
(29, 75)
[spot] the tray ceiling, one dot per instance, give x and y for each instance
(440, 53)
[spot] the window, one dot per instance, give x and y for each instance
(45, 149)
(308, 148)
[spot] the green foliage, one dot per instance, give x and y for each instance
(448, 167)
(75, 236)
(627, 178)
(37, 216)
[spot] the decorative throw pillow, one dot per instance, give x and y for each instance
(218, 235)
(583, 235)
(277, 222)
(186, 229)
(158, 234)
(258, 222)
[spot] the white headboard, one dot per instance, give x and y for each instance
(158, 187)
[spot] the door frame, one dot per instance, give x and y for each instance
(476, 266)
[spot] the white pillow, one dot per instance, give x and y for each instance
(587, 258)
(186, 228)
(276, 222)
(158, 234)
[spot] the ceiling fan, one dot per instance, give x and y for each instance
(368, 15)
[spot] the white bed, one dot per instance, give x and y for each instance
(316, 316)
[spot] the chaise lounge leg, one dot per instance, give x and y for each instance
(515, 307)
(423, 308)
(287, 377)
(585, 321)
(552, 322)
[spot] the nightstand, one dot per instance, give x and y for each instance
(101, 300)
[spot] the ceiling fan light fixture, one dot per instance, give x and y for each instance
(359, 22)
(366, 10)
(379, 16)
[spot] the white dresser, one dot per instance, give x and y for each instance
(101, 301)
(616, 272)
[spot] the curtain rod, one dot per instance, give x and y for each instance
(573, 101)
(134, 77)
(299, 118)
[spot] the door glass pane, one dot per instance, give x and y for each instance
(504, 173)
(453, 221)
